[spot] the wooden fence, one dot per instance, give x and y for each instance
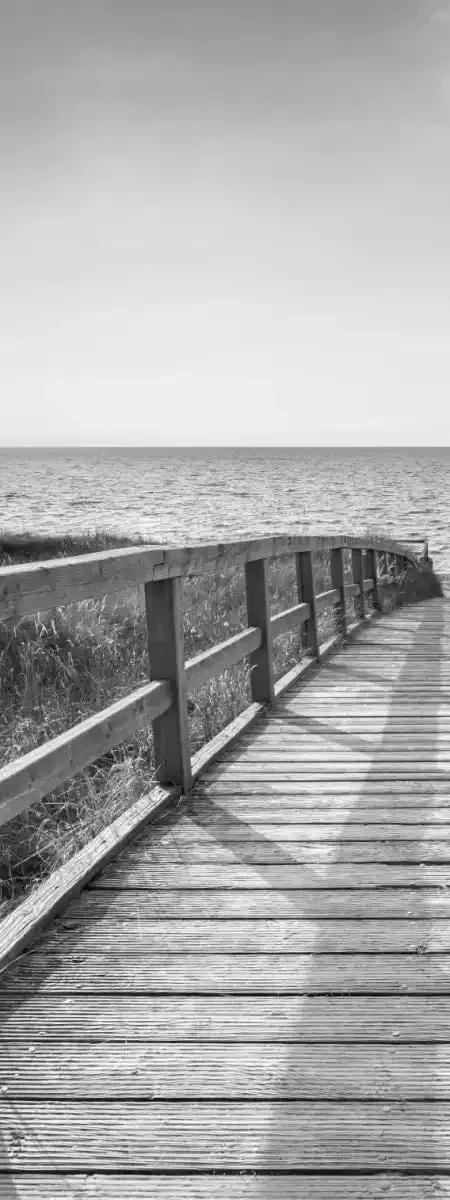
(39, 587)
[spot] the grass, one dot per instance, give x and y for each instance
(64, 665)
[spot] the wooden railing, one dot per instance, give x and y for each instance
(163, 700)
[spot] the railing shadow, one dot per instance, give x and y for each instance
(353, 1129)
(433, 619)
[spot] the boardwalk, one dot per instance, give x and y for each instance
(253, 1000)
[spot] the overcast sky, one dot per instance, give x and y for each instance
(225, 221)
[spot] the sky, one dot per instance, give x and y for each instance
(224, 222)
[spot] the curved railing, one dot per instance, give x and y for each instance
(163, 700)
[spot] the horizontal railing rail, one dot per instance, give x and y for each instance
(39, 586)
(163, 701)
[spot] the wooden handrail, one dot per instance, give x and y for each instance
(163, 701)
(37, 587)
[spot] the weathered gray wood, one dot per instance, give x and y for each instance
(247, 936)
(301, 599)
(265, 1135)
(32, 776)
(193, 1071)
(258, 614)
(49, 1017)
(239, 1186)
(233, 830)
(311, 974)
(291, 875)
(219, 658)
(291, 618)
(36, 587)
(263, 851)
(292, 811)
(164, 609)
(305, 575)
(372, 567)
(358, 576)
(22, 926)
(337, 582)
(288, 901)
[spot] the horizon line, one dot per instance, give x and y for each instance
(228, 446)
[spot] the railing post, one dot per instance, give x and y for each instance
(164, 609)
(300, 596)
(258, 613)
(337, 581)
(358, 577)
(305, 572)
(373, 574)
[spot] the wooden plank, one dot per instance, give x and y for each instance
(343, 770)
(22, 926)
(164, 612)
(358, 576)
(49, 1017)
(301, 600)
(139, 874)
(38, 586)
(236, 831)
(295, 812)
(366, 787)
(372, 565)
(337, 582)
(228, 830)
(218, 902)
(258, 614)
(311, 974)
(121, 939)
(291, 754)
(291, 618)
(244, 1071)
(240, 874)
(240, 1186)
(210, 1134)
(29, 778)
(305, 583)
(219, 658)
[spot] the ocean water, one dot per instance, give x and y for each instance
(187, 495)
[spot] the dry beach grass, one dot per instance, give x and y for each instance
(59, 667)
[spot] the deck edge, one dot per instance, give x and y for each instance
(26, 921)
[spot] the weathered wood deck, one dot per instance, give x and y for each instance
(253, 999)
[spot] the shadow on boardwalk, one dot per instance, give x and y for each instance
(430, 1135)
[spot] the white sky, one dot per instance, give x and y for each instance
(224, 221)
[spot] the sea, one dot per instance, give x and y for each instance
(190, 495)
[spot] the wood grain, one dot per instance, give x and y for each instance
(37, 587)
(240, 1071)
(240, 1186)
(290, 1019)
(265, 1135)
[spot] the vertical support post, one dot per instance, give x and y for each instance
(300, 596)
(373, 574)
(337, 581)
(358, 577)
(258, 613)
(306, 573)
(164, 610)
